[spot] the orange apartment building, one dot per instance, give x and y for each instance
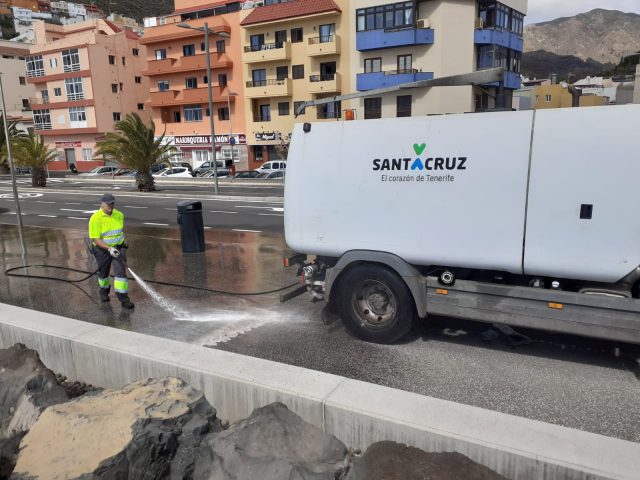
(87, 76)
(176, 69)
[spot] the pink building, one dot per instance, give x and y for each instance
(87, 77)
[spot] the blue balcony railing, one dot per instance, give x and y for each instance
(492, 36)
(378, 39)
(369, 81)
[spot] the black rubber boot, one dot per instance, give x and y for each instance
(104, 295)
(127, 304)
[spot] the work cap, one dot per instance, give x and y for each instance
(107, 198)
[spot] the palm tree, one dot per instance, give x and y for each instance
(13, 133)
(31, 151)
(134, 145)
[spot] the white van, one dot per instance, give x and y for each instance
(273, 166)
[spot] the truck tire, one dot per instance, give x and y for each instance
(375, 304)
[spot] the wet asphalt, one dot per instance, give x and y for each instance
(581, 383)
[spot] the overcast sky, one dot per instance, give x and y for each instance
(543, 10)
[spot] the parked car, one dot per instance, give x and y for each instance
(100, 171)
(272, 166)
(206, 166)
(222, 173)
(22, 170)
(123, 171)
(173, 172)
(246, 174)
(183, 164)
(278, 175)
(156, 167)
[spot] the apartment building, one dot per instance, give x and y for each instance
(87, 76)
(292, 53)
(401, 42)
(17, 91)
(177, 73)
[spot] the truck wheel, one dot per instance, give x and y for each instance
(375, 304)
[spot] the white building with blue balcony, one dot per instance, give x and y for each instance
(402, 42)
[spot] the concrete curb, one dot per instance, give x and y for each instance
(357, 413)
(177, 181)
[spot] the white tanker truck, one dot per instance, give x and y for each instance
(524, 218)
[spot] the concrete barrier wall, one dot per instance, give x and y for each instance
(357, 413)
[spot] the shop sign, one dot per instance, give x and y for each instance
(267, 136)
(68, 144)
(204, 139)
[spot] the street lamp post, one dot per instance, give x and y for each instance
(7, 140)
(229, 95)
(207, 31)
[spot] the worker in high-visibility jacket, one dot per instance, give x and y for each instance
(106, 230)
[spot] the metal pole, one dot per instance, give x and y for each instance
(13, 173)
(230, 127)
(213, 133)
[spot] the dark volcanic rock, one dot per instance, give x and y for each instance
(272, 444)
(27, 387)
(149, 429)
(393, 461)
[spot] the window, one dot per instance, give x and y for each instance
(394, 15)
(265, 113)
(138, 79)
(176, 116)
(493, 56)
(188, 50)
(161, 54)
(23, 80)
(222, 79)
(112, 59)
(258, 77)
(35, 66)
(87, 154)
(163, 85)
(296, 35)
(57, 92)
(53, 62)
(141, 106)
(71, 60)
(403, 106)
(191, 82)
(114, 88)
(547, 98)
(296, 105)
(372, 65)
(25, 104)
(257, 41)
(45, 96)
(223, 113)
(116, 116)
(327, 32)
(282, 72)
(281, 37)
(220, 46)
(497, 15)
(283, 108)
(78, 117)
(329, 110)
(202, 47)
(74, 88)
(42, 119)
(537, 98)
(192, 113)
(135, 52)
(372, 108)
(124, 61)
(297, 71)
(404, 64)
(121, 87)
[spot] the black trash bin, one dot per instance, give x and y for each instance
(191, 226)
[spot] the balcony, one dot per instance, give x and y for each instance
(327, 45)
(261, 118)
(196, 96)
(269, 52)
(369, 81)
(168, 97)
(187, 64)
(511, 81)
(391, 38)
(324, 83)
(504, 38)
(268, 88)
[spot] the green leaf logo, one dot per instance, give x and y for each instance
(419, 148)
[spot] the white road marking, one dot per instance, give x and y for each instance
(42, 201)
(241, 230)
(78, 218)
(49, 216)
(220, 211)
(74, 210)
(72, 203)
(271, 214)
(159, 224)
(251, 206)
(131, 206)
